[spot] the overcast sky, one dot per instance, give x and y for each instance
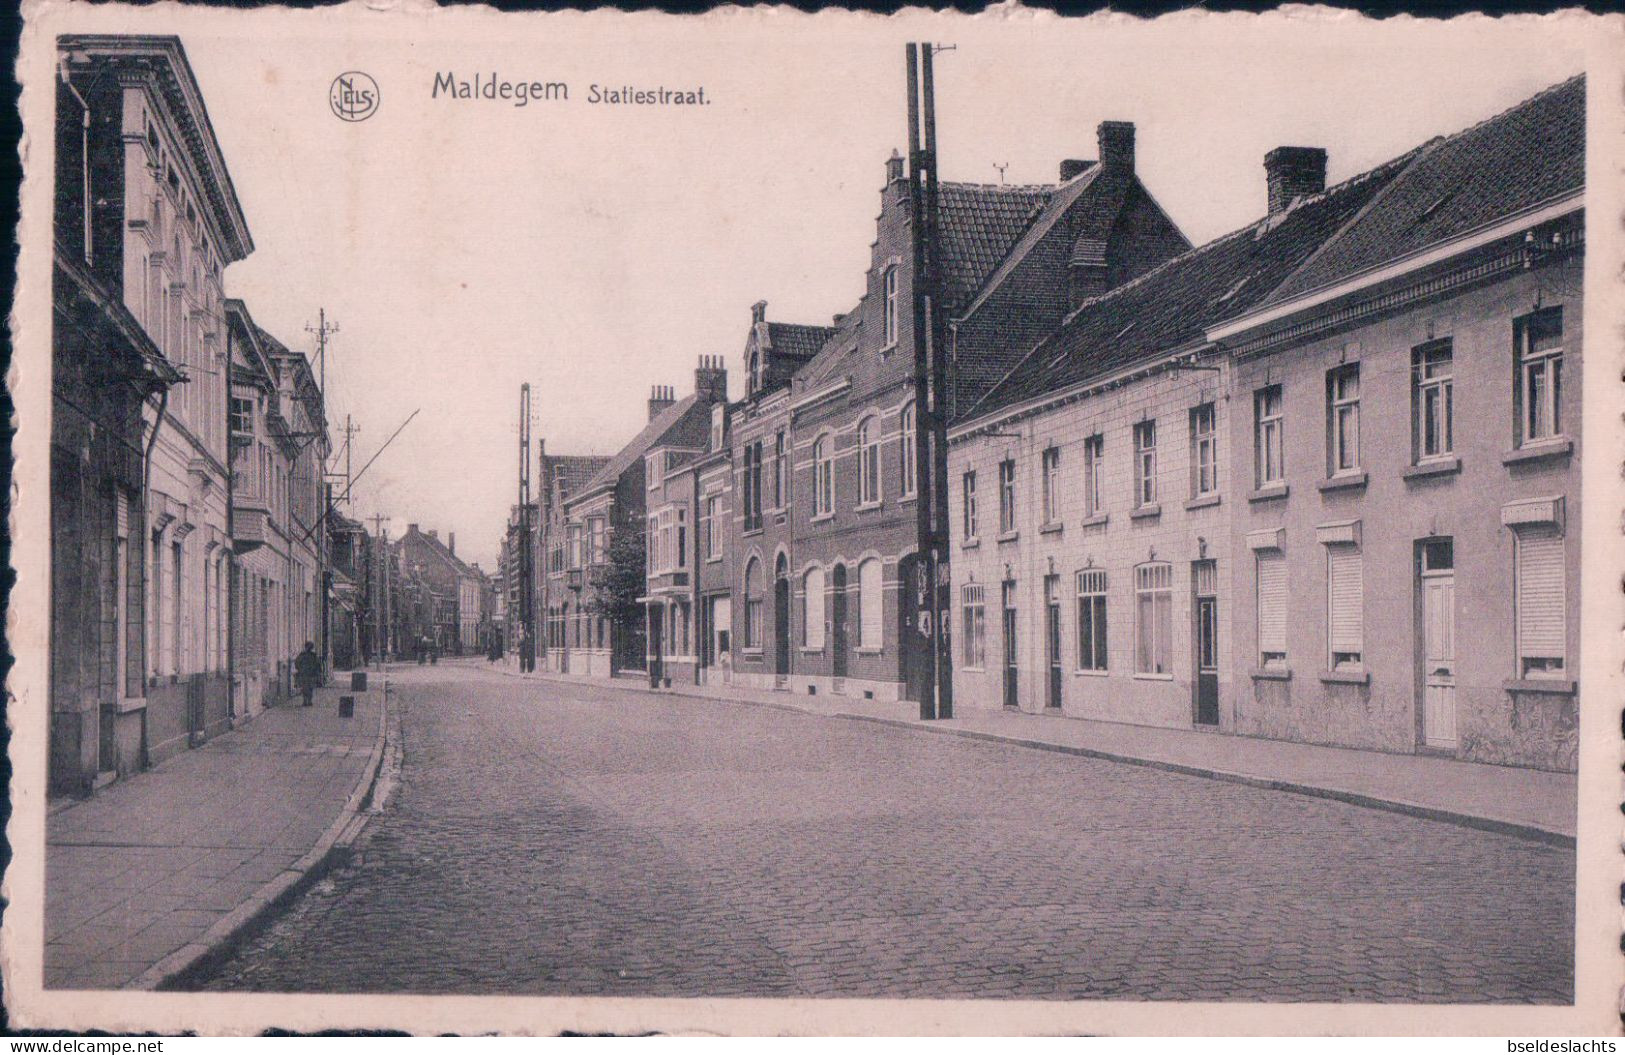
(465, 247)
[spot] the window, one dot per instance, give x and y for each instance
(574, 536)
(1204, 452)
(1094, 475)
(1271, 608)
(753, 486)
(598, 539)
(871, 610)
(823, 478)
(1345, 604)
(1154, 618)
(908, 453)
(753, 604)
(889, 290)
(1343, 419)
(756, 378)
(868, 462)
(970, 504)
(812, 608)
(1538, 592)
(974, 654)
(1540, 365)
(651, 545)
(1268, 460)
(1432, 399)
(242, 419)
(1007, 496)
(1092, 619)
(779, 456)
(1052, 485)
(1145, 463)
(708, 528)
(681, 556)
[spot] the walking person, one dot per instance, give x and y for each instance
(307, 670)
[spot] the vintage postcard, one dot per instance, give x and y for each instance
(771, 522)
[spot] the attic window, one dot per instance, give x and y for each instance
(1057, 361)
(1443, 199)
(1124, 331)
(1233, 290)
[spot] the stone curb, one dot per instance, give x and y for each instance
(287, 885)
(1517, 829)
(1392, 805)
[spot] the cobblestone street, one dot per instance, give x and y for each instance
(553, 839)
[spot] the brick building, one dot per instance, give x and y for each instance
(1168, 514)
(159, 223)
(559, 580)
(443, 593)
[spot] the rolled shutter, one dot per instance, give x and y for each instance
(1540, 593)
(1271, 601)
(869, 603)
(1345, 571)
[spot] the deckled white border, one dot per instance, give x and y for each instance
(1600, 969)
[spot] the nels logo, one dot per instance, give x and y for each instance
(353, 96)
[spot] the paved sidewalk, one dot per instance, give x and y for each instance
(142, 877)
(1526, 802)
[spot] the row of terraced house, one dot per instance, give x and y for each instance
(1316, 480)
(189, 537)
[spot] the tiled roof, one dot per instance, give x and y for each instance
(979, 224)
(794, 340)
(1171, 305)
(833, 355)
(1518, 159)
(570, 471)
(656, 432)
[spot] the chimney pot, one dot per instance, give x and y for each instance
(1291, 173)
(1072, 168)
(1116, 146)
(451, 543)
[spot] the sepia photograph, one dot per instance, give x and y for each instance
(817, 523)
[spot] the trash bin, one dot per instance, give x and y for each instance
(358, 681)
(346, 706)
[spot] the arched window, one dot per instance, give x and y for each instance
(906, 470)
(868, 462)
(755, 372)
(753, 603)
(812, 608)
(870, 606)
(823, 478)
(1153, 618)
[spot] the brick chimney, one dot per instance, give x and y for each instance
(451, 542)
(434, 534)
(411, 529)
(1116, 147)
(894, 168)
(1292, 173)
(711, 380)
(1072, 168)
(660, 397)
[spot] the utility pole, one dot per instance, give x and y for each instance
(323, 330)
(381, 598)
(527, 614)
(349, 445)
(930, 383)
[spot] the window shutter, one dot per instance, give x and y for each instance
(1540, 593)
(1345, 574)
(1271, 601)
(869, 603)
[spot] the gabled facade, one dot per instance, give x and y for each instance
(450, 589)
(561, 562)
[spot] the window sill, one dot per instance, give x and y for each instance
(1539, 451)
(807, 650)
(1098, 520)
(970, 543)
(973, 670)
(1009, 536)
(1269, 492)
(1270, 673)
(822, 518)
(906, 499)
(713, 560)
(1051, 529)
(1202, 502)
(1346, 482)
(1438, 467)
(864, 507)
(751, 653)
(1359, 676)
(1146, 512)
(869, 651)
(750, 532)
(1546, 686)
(130, 704)
(1092, 673)
(1153, 677)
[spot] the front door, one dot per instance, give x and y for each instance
(781, 621)
(657, 626)
(838, 621)
(1205, 644)
(1009, 602)
(1438, 644)
(1052, 636)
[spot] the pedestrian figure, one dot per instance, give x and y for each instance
(307, 668)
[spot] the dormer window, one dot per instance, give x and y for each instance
(889, 288)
